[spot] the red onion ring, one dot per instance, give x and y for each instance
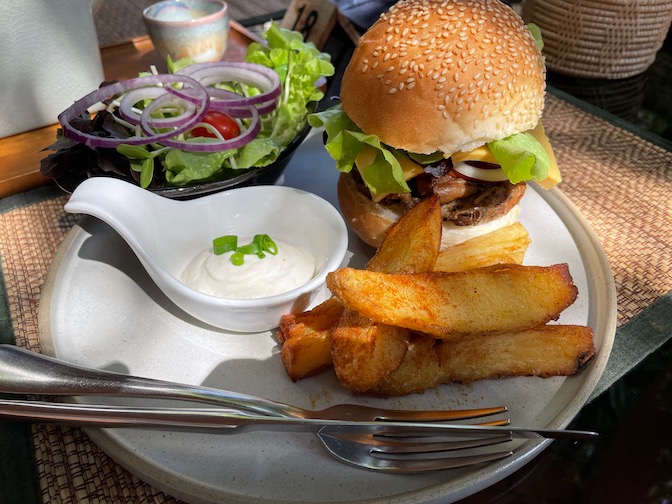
(194, 99)
(128, 113)
(82, 105)
(259, 76)
(214, 145)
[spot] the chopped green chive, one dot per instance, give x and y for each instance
(261, 243)
(224, 244)
(265, 244)
(237, 258)
(248, 249)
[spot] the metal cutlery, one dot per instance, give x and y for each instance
(372, 438)
(26, 372)
(389, 446)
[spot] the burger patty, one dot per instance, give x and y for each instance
(464, 202)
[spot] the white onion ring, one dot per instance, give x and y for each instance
(494, 174)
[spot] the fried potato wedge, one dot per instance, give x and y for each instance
(306, 339)
(506, 245)
(502, 298)
(551, 350)
(419, 370)
(412, 244)
(363, 352)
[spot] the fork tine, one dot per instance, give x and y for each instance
(436, 416)
(426, 465)
(418, 444)
(362, 455)
(404, 434)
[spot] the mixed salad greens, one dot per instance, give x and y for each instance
(111, 141)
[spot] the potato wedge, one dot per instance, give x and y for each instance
(412, 244)
(502, 298)
(504, 246)
(364, 353)
(419, 370)
(551, 350)
(306, 339)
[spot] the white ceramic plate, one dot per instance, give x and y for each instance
(100, 309)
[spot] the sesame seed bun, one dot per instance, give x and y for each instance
(445, 76)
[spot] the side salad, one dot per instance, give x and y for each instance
(201, 122)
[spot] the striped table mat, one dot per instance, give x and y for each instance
(620, 182)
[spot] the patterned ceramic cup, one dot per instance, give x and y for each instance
(196, 29)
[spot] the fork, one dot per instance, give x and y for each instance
(26, 372)
(397, 447)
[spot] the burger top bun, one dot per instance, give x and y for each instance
(445, 76)
(370, 221)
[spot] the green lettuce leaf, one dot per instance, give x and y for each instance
(184, 167)
(521, 157)
(536, 33)
(259, 152)
(299, 65)
(345, 141)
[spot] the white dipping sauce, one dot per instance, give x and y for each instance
(215, 275)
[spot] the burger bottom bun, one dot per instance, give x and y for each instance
(370, 221)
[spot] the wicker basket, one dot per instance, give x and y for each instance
(611, 39)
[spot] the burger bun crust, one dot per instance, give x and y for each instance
(445, 76)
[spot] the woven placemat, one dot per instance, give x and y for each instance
(620, 182)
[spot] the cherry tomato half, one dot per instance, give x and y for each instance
(223, 123)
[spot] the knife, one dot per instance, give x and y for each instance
(229, 421)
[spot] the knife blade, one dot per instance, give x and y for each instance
(225, 420)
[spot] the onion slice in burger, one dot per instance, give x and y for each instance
(491, 173)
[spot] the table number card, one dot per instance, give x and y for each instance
(314, 19)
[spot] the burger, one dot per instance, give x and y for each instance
(440, 97)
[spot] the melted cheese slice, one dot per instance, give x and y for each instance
(368, 155)
(483, 154)
(554, 176)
